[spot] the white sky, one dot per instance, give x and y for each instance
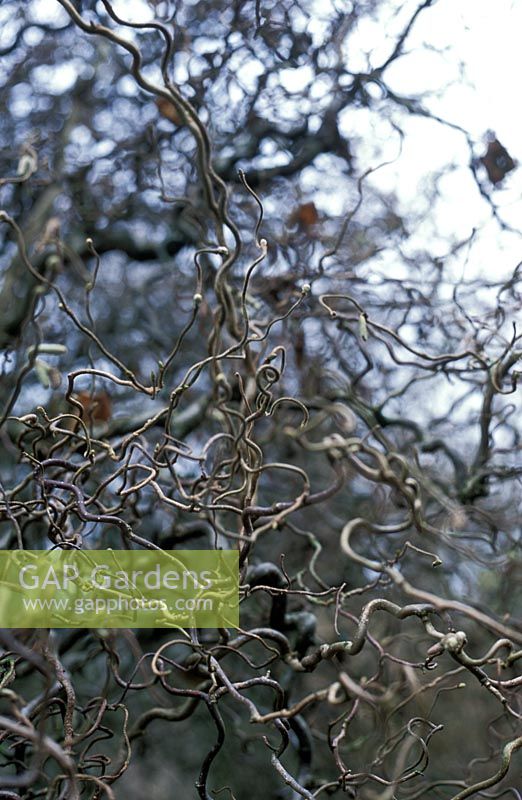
(485, 37)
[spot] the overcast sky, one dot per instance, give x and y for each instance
(482, 94)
